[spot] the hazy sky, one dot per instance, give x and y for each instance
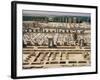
(52, 13)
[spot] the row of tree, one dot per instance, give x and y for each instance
(71, 19)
